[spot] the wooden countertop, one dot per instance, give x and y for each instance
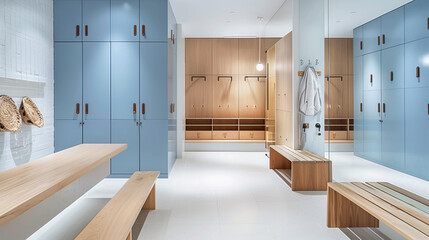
(27, 185)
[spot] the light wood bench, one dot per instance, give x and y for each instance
(116, 220)
(365, 204)
(301, 169)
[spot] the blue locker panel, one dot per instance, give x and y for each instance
(68, 20)
(154, 146)
(416, 20)
(357, 113)
(96, 20)
(357, 41)
(125, 80)
(96, 80)
(68, 133)
(393, 132)
(392, 72)
(127, 132)
(125, 20)
(417, 132)
(154, 20)
(154, 80)
(372, 125)
(392, 28)
(96, 131)
(372, 36)
(417, 55)
(372, 71)
(68, 80)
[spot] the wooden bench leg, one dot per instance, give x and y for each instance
(130, 236)
(311, 176)
(150, 203)
(343, 213)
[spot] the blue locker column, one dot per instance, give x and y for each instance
(392, 70)
(358, 41)
(358, 107)
(416, 63)
(154, 20)
(416, 20)
(68, 95)
(96, 20)
(392, 28)
(417, 132)
(372, 36)
(154, 146)
(68, 20)
(125, 106)
(96, 92)
(125, 20)
(372, 71)
(372, 125)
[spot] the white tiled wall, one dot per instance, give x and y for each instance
(26, 69)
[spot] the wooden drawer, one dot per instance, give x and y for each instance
(225, 135)
(252, 135)
(336, 135)
(198, 135)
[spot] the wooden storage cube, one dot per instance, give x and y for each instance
(225, 121)
(199, 58)
(251, 97)
(225, 56)
(198, 135)
(199, 98)
(252, 135)
(337, 135)
(248, 56)
(225, 135)
(225, 96)
(199, 121)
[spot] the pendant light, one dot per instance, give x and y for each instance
(260, 66)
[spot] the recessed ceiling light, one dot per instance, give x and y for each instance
(232, 12)
(338, 21)
(353, 12)
(228, 21)
(260, 19)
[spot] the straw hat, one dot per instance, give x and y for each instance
(30, 113)
(10, 120)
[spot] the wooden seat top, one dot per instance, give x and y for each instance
(116, 219)
(298, 155)
(403, 211)
(25, 186)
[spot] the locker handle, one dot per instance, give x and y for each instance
(171, 108)
(384, 107)
(143, 108)
(143, 30)
(171, 35)
(370, 78)
(86, 108)
(361, 45)
(225, 77)
(417, 72)
(198, 77)
(428, 108)
(135, 30)
(77, 108)
(86, 30)
(428, 22)
(384, 39)
(361, 107)
(379, 107)
(391, 76)
(134, 108)
(77, 30)
(378, 40)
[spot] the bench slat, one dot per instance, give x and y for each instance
(290, 155)
(315, 156)
(116, 219)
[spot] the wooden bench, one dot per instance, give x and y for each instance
(365, 204)
(301, 169)
(116, 220)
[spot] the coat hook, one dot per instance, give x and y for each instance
(317, 61)
(302, 62)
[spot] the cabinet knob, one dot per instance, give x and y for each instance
(370, 78)
(379, 107)
(77, 30)
(143, 30)
(86, 109)
(135, 30)
(384, 39)
(86, 30)
(384, 107)
(361, 107)
(77, 108)
(391, 76)
(378, 38)
(134, 108)
(361, 45)
(143, 108)
(417, 72)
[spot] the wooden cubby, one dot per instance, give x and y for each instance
(339, 129)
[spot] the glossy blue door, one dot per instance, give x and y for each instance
(96, 131)
(154, 80)
(358, 41)
(416, 20)
(154, 146)
(358, 107)
(372, 36)
(125, 80)
(68, 133)
(127, 132)
(392, 72)
(68, 20)
(372, 71)
(417, 132)
(417, 63)
(125, 20)
(392, 28)
(68, 81)
(372, 125)
(393, 131)
(154, 20)
(96, 20)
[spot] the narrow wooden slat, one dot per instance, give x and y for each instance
(293, 155)
(315, 156)
(406, 193)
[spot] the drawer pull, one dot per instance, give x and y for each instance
(135, 30)
(86, 30)
(417, 72)
(391, 76)
(384, 39)
(77, 108)
(361, 45)
(370, 78)
(86, 109)
(143, 30)
(77, 30)
(361, 107)
(134, 108)
(384, 107)
(428, 108)
(428, 23)
(378, 40)
(379, 107)
(143, 108)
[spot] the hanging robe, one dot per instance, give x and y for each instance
(309, 93)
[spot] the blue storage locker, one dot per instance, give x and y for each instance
(358, 107)
(392, 28)
(68, 20)
(417, 56)
(154, 146)
(128, 162)
(154, 20)
(416, 20)
(68, 133)
(96, 20)
(125, 20)
(358, 41)
(96, 131)
(372, 71)
(392, 67)
(372, 36)
(372, 125)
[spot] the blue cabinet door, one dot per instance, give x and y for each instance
(372, 125)
(154, 146)
(392, 28)
(392, 69)
(96, 131)
(96, 80)
(358, 41)
(358, 130)
(125, 20)
(126, 132)
(372, 71)
(393, 132)
(417, 132)
(125, 80)
(416, 20)
(96, 20)
(68, 133)
(154, 80)
(154, 20)
(417, 56)
(372, 36)
(68, 20)
(68, 81)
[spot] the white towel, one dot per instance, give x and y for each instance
(309, 93)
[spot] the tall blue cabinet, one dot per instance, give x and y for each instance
(391, 89)
(112, 80)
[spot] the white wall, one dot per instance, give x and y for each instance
(26, 69)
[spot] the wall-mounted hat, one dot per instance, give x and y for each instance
(30, 113)
(10, 120)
